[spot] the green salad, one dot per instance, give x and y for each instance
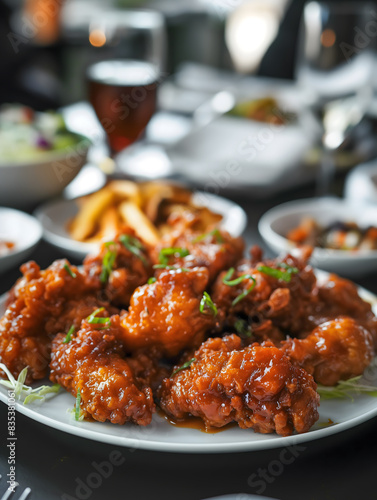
(26, 135)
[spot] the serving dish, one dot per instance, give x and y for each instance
(274, 225)
(361, 183)
(24, 184)
(55, 215)
(335, 416)
(21, 229)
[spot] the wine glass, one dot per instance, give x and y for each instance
(123, 82)
(335, 66)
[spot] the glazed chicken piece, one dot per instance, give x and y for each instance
(93, 362)
(340, 297)
(257, 386)
(120, 267)
(336, 350)
(273, 297)
(40, 304)
(166, 314)
(216, 250)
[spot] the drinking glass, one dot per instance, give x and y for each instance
(334, 69)
(122, 84)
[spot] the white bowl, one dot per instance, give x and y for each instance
(361, 183)
(274, 225)
(21, 229)
(25, 184)
(55, 216)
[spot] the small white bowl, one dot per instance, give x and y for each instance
(274, 225)
(25, 184)
(21, 229)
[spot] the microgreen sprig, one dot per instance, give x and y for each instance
(23, 392)
(346, 389)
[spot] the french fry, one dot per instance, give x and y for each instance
(126, 190)
(139, 222)
(84, 224)
(109, 225)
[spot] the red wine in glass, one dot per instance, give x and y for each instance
(123, 94)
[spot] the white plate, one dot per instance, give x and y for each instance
(161, 436)
(21, 229)
(274, 225)
(54, 217)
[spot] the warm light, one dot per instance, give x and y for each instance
(328, 38)
(249, 32)
(97, 38)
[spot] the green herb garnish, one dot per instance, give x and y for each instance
(216, 233)
(93, 320)
(151, 280)
(24, 392)
(108, 262)
(134, 246)
(277, 273)
(171, 268)
(69, 271)
(243, 328)
(345, 389)
(183, 367)
(68, 337)
(227, 281)
(206, 302)
(165, 253)
(77, 408)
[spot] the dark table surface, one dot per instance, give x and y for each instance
(56, 465)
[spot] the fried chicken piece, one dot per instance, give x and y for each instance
(216, 250)
(36, 310)
(166, 314)
(93, 362)
(131, 267)
(257, 386)
(340, 297)
(336, 350)
(285, 305)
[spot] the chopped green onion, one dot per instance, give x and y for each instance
(277, 273)
(68, 337)
(206, 301)
(345, 389)
(108, 262)
(183, 367)
(151, 280)
(242, 328)
(93, 320)
(77, 409)
(165, 253)
(227, 281)
(69, 271)
(134, 246)
(171, 268)
(216, 233)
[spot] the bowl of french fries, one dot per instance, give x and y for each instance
(151, 209)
